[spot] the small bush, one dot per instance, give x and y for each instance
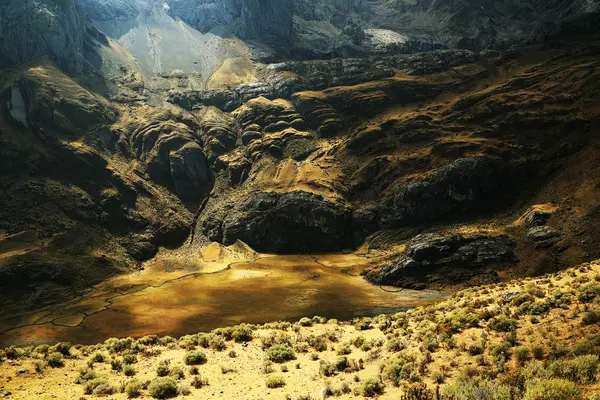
(305, 322)
(371, 387)
(98, 357)
(116, 364)
(275, 382)
(194, 358)
(522, 355)
(198, 382)
(481, 390)
(163, 388)
(163, 369)
(538, 352)
(63, 347)
(588, 292)
(551, 389)
(591, 318)
(85, 375)
(242, 333)
(502, 324)
(280, 353)
(128, 370)
(55, 360)
(218, 343)
(129, 359)
(98, 386)
(580, 369)
(133, 389)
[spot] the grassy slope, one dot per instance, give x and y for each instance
(455, 343)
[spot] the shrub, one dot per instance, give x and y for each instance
(476, 348)
(502, 324)
(55, 360)
(275, 382)
(591, 317)
(522, 355)
(98, 357)
(217, 343)
(371, 387)
(194, 358)
(397, 370)
(63, 347)
(163, 388)
(128, 370)
(551, 389)
(305, 322)
(163, 369)
(85, 375)
(98, 386)
(326, 368)
(480, 390)
(242, 333)
(130, 359)
(116, 364)
(538, 352)
(588, 292)
(177, 373)
(133, 389)
(149, 340)
(198, 382)
(204, 340)
(280, 353)
(396, 345)
(344, 349)
(580, 369)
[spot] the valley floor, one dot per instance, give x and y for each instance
(537, 338)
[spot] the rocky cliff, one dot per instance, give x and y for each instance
(227, 128)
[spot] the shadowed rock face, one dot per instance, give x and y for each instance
(30, 29)
(288, 223)
(432, 258)
(267, 20)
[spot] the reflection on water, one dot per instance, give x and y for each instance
(257, 290)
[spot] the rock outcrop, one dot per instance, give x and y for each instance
(34, 28)
(444, 260)
(288, 223)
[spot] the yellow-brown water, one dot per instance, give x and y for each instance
(168, 299)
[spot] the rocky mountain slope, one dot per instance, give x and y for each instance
(152, 125)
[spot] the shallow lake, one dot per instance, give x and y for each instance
(166, 299)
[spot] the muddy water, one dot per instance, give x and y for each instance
(265, 288)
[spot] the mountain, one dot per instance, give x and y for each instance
(457, 137)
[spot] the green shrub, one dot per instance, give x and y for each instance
(149, 340)
(194, 358)
(371, 387)
(63, 347)
(55, 360)
(218, 343)
(130, 359)
(133, 389)
(275, 381)
(305, 322)
(326, 368)
(85, 375)
(280, 353)
(522, 355)
(116, 364)
(163, 369)
(551, 389)
(396, 345)
(588, 292)
(502, 324)
(163, 388)
(128, 370)
(242, 333)
(580, 369)
(480, 390)
(591, 318)
(344, 349)
(98, 386)
(198, 382)
(98, 357)
(397, 370)
(538, 352)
